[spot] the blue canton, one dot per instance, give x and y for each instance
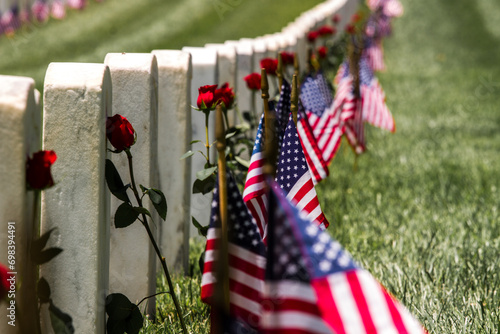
(292, 162)
(315, 94)
(242, 229)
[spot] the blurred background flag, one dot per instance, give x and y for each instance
(348, 298)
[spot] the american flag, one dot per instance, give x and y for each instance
(374, 54)
(313, 285)
(246, 258)
(390, 8)
(315, 162)
(10, 21)
(254, 193)
(40, 10)
(58, 11)
(314, 157)
(289, 300)
(316, 97)
(294, 178)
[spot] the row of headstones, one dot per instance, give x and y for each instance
(155, 92)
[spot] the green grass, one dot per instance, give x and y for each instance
(421, 212)
(140, 26)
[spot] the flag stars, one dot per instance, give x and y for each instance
(312, 230)
(318, 248)
(325, 265)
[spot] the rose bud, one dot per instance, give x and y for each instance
(326, 31)
(253, 81)
(322, 52)
(120, 132)
(4, 284)
(206, 97)
(38, 174)
(270, 65)
(312, 36)
(287, 58)
(336, 18)
(225, 96)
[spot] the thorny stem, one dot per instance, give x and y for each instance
(155, 246)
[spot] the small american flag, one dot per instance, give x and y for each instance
(327, 122)
(314, 286)
(289, 300)
(315, 162)
(40, 10)
(374, 54)
(254, 193)
(58, 11)
(294, 178)
(10, 21)
(246, 258)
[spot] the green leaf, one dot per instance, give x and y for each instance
(159, 202)
(142, 210)
(186, 155)
(43, 290)
(46, 255)
(38, 244)
(125, 215)
(205, 186)
(124, 316)
(194, 142)
(202, 230)
(229, 135)
(205, 173)
(62, 323)
(243, 162)
(114, 181)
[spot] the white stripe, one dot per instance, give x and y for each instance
(245, 303)
(294, 320)
(375, 299)
(255, 259)
(346, 305)
(208, 278)
(213, 233)
(254, 202)
(290, 290)
(211, 255)
(298, 185)
(253, 188)
(245, 279)
(411, 324)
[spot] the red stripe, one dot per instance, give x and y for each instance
(359, 297)
(396, 317)
(327, 305)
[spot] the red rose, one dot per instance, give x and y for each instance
(287, 58)
(38, 170)
(326, 31)
(4, 284)
(270, 64)
(350, 28)
(206, 97)
(225, 95)
(253, 81)
(322, 52)
(312, 36)
(336, 18)
(120, 132)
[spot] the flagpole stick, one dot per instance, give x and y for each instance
(279, 71)
(296, 66)
(354, 58)
(294, 107)
(223, 268)
(270, 148)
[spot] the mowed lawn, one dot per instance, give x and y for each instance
(421, 210)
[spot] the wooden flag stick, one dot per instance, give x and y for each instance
(294, 99)
(223, 267)
(279, 71)
(270, 148)
(296, 66)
